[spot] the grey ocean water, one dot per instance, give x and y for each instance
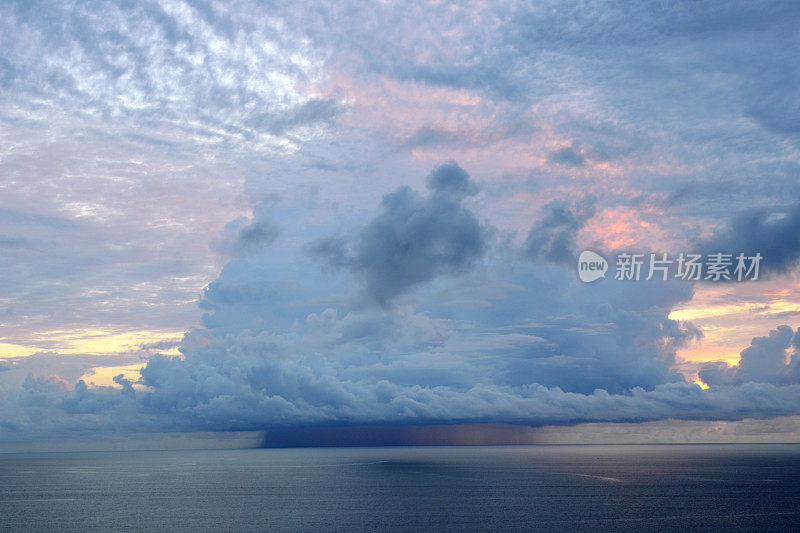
(406, 489)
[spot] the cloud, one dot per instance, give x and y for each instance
(244, 236)
(431, 136)
(450, 178)
(771, 359)
(286, 343)
(134, 129)
(166, 67)
(772, 232)
(66, 368)
(276, 357)
(180, 107)
(413, 239)
(570, 155)
(304, 394)
(553, 236)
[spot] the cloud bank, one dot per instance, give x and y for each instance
(470, 328)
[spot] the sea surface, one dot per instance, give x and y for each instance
(550, 488)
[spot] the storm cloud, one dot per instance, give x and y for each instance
(537, 347)
(413, 238)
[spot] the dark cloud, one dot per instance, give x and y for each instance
(552, 237)
(451, 179)
(413, 239)
(397, 435)
(772, 232)
(430, 136)
(694, 190)
(243, 236)
(569, 155)
(258, 235)
(84, 401)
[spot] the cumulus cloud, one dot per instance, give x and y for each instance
(413, 238)
(64, 368)
(305, 395)
(282, 345)
(771, 359)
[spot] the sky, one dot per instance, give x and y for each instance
(229, 217)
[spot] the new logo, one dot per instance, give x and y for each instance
(591, 266)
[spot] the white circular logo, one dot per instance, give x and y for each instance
(591, 266)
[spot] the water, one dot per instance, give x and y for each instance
(406, 489)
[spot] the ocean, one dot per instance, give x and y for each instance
(515, 488)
